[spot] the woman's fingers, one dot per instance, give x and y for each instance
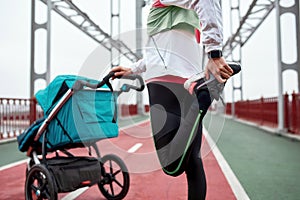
(219, 69)
(213, 68)
(121, 71)
(228, 69)
(225, 72)
(117, 69)
(225, 75)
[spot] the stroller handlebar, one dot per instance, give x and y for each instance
(127, 87)
(79, 84)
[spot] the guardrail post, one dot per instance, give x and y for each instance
(294, 106)
(286, 111)
(32, 115)
(297, 99)
(248, 111)
(261, 111)
(228, 108)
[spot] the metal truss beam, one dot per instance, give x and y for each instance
(256, 14)
(35, 26)
(69, 11)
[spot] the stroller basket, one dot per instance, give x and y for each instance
(72, 173)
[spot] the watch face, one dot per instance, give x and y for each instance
(215, 54)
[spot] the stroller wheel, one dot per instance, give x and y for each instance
(39, 184)
(114, 183)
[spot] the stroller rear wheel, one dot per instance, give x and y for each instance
(114, 183)
(39, 184)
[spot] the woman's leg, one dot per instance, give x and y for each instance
(166, 111)
(174, 115)
(175, 119)
(195, 172)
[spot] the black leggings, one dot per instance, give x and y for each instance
(176, 120)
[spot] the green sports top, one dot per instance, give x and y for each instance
(171, 17)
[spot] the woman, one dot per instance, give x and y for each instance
(178, 93)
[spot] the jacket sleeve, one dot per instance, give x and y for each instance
(210, 16)
(138, 67)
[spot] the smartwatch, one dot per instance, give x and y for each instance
(215, 54)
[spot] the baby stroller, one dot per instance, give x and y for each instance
(78, 112)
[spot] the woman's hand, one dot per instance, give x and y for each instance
(121, 71)
(219, 69)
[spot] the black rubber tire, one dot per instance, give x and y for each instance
(39, 184)
(114, 183)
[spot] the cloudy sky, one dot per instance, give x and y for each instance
(71, 49)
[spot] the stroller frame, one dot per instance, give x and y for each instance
(41, 177)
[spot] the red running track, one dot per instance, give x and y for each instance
(147, 181)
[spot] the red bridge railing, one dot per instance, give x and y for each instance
(15, 116)
(263, 111)
(131, 109)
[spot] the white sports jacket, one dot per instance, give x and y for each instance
(175, 52)
(210, 16)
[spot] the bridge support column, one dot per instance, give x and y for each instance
(34, 28)
(282, 66)
(115, 7)
(139, 6)
(236, 52)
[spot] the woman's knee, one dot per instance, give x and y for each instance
(204, 100)
(174, 169)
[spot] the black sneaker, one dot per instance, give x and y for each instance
(198, 82)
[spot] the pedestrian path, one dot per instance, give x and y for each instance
(146, 183)
(149, 182)
(267, 165)
(9, 153)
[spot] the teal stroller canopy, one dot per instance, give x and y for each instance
(88, 116)
(58, 87)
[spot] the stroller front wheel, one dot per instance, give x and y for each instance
(39, 184)
(114, 183)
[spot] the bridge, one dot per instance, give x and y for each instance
(243, 134)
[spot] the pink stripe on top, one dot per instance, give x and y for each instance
(168, 78)
(158, 4)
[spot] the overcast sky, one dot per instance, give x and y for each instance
(71, 48)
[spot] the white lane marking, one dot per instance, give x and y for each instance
(13, 164)
(73, 195)
(234, 183)
(135, 147)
